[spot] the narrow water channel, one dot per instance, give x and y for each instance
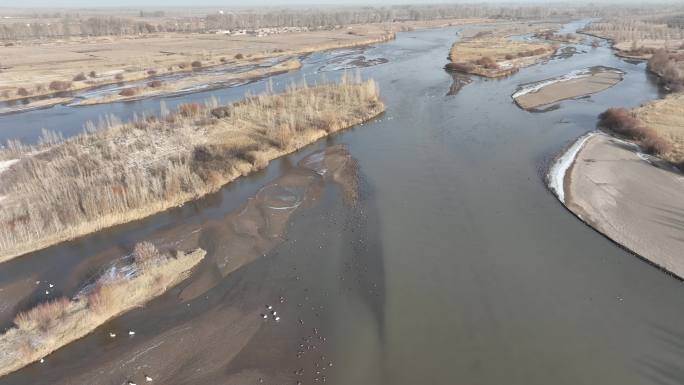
(454, 265)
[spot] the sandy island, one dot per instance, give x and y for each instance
(576, 84)
(632, 198)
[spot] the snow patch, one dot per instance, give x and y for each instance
(556, 175)
(576, 74)
(6, 164)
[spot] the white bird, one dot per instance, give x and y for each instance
(148, 378)
(51, 285)
(131, 333)
(131, 383)
(269, 307)
(264, 316)
(112, 335)
(274, 313)
(47, 292)
(277, 319)
(42, 360)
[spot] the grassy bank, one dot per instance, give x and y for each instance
(126, 171)
(144, 275)
(492, 55)
(158, 87)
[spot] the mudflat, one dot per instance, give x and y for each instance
(554, 90)
(630, 200)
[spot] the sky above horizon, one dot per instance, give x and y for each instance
(255, 3)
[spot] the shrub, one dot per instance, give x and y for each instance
(487, 62)
(223, 60)
(460, 67)
(119, 77)
(92, 74)
(5, 94)
(189, 109)
(221, 112)
(144, 252)
(21, 91)
(196, 64)
(155, 84)
(43, 315)
(151, 72)
(59, 85)
(40, 88)
(621, 121)
(184, 65)
(509, 56)
(651, 143)
(239, 56)
(80, 77)
(131, 91)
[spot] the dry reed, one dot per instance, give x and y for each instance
(120, 172)
(130, 283)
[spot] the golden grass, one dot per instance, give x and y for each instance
(495, 56)
(126, 171)
(666, 118)
(170, 86)
(47, 327)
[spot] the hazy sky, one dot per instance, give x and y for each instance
(252, 3)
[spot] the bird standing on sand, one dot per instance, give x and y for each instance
(148, 378)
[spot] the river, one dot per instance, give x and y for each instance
(455, 265)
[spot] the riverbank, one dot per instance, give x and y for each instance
(46, 69)
(201, 81)
(631, 198)
(144, 275)
(127, 171)
(573, 85)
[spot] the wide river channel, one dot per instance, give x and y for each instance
(455, 266)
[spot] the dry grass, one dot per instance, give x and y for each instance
(125, 285)
(625, 123)
(121, 172)
(491, 55)
(666, 118)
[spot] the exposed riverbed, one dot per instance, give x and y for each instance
(452, 263)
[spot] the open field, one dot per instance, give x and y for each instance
(491, 53)
(628, 199)
(637, 37)
(146, 274)
(211, 79)
(36, 67)
(122, 172)
(579, 84)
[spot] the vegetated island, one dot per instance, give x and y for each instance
(126, 171)
(492, 54)
(199, 81)
(126, 284)
(576, 84)
(627, 182)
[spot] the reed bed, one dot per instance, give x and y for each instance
(117, 172)
(127, 284)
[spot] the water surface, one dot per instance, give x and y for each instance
(456, 265)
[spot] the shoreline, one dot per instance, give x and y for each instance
(574, 85)
(623, 206)
(51, 325)
(239, 167)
